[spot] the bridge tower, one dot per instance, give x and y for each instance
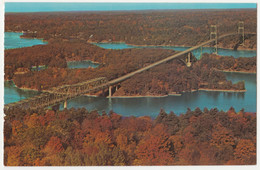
(214, 35)
(241, 31)
(110, 91)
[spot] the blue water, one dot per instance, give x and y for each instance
(197, 52)
(82, 64)
(13, 40)
(54, 6)
(14, 94)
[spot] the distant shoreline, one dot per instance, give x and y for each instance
(122, 42)
(243, 72)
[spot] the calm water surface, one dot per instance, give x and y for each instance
(14, 94)
(197, 52)
(82, 64)
(13, 40)
(152, 105)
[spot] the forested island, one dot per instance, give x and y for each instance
(78, 137)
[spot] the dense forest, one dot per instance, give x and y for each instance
(168, 27)
(78, 137)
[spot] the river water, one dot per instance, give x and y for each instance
(151, 105)
(82, 64)
(197, 52)
(13, 40)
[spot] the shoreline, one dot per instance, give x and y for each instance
(221, 90)
(180, 94)
(26, 88)
(184, 46)
(139, 96)
(22, 88)
(94, 62)
(242, 72)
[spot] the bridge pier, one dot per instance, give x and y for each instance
(65, 104)
(110, 91)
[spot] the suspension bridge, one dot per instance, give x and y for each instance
(62, 94)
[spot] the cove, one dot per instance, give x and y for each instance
(197, 52)
(13, 40)
(15, 94)
(82, 64)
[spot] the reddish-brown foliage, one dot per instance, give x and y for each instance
(197, 137)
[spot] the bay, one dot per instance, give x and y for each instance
(15, 94)
(13, 40)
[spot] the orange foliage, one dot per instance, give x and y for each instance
(221, 137)
(78, 137)
(14, 155)
(245, 151)
(32, 121)
(54, 145)
(16, 127)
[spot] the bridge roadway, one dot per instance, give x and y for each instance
(63, 93)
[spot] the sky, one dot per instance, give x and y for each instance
(58, 6)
